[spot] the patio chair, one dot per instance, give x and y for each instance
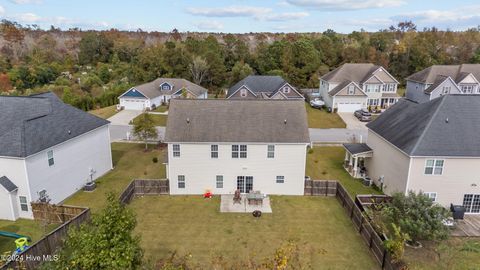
(237, 198)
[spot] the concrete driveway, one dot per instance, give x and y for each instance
(352, 122)
(124, 117)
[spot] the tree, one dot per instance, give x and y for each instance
(144, 129)
(239, 71)
(68, 97)
(95, 48)
(5, 84)
(105, 243)
(198, 69)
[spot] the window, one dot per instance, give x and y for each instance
(243, 92)
(372, 102)
(181, 181)
(165, 86)
(351, 89)
(219, 183)
(446, 89)
(51, 161)
(431, 195)
(239, 151)
(434, 166)
(176, 150)
(23, 203)
(271, 151)
(286, 89)
(467, 89)
(214, 151)
(280, 179)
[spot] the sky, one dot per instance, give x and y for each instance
(242, 16)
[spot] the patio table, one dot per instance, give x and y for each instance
(255, 198)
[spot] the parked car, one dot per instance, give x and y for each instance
(317, 103)
(363, 115)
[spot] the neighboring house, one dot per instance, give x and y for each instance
(224, 145)
(439, 80)
(355, 86)
(263, 87)
(47, 147)
(432, 147)
(150, 95)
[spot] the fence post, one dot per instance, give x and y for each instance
(384, 258)
(326, 189)
(361, 223)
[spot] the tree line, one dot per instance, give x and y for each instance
(90, 69)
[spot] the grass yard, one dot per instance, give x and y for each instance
(26, 227)
(130, 161)
(453, 254)
(322, 119)
(158, 119)
(326, 163)
(193, 225)
(105, 112)
(161, 108)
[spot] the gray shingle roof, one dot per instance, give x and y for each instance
(152, 89)
(31, 124)
(456, 72)
(444, 126)
(259, 84)
(351, 72)
(235, 120)
(357, 148)
(7, 184)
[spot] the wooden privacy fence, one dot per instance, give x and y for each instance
(140, 187)
(321, 187)
(45, 248)
(51, 213)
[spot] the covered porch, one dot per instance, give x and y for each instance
(355, 155)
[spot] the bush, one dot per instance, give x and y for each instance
(155, 160)
(310, 151)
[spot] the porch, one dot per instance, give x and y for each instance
(469, 226)
(355, 155)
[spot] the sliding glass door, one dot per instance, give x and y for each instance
(244, 183)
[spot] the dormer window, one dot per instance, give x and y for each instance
(243, 92)
(165, 87)
(286, 89)
(351, 89)
(446, 89)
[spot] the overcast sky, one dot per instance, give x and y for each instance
(240, 16)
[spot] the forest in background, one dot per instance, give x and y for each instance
(90, 69)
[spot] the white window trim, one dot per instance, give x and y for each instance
(50, 158)
(351, 90)
(239, 151)
(243, 92)
(217, 178)
(272, 152)
(282, 177)
(431, 195)
(434, 166)
(26, 203)
(176, 153)
(213, 151)
(181, 181)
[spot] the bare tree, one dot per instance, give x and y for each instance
(198, 69)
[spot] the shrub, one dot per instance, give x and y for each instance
(155, 160)
(310, 151)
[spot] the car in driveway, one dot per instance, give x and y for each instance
(363, 115)
(317, 103)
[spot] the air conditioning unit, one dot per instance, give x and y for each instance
(42, 196)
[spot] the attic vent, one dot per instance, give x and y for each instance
(188, 120)
(446, 120)
(285, 121)
(69, 132)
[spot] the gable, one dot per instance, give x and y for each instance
(279, 95)
(189, 93)
(166, 86)
(469, 79)
(244, 93)
(289, 91)
(447, 85)
(345, 91)
(374, 79)
(132, 92)
(383, 75)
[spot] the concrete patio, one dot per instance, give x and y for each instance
(469, 226)
(227, 205)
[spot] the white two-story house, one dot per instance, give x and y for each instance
(439, 80)
(47, 148)
(225, 145)
(431, 147)
(355, 86)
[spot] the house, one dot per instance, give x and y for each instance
(47, 148)
(263, 87)
(355, 86)
(431, 147)
(150, 95)
(439, 80)
(225, 145)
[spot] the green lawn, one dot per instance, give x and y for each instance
(161, 108)
(26, 227)
(326, 163)
(130, 161)
(193, 225)
(453, 254)
(322, 119)
(105, 112)
(158, 119)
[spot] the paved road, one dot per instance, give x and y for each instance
(333, 135)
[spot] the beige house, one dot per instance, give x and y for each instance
(263, 87)
(355, 86)
(432, 147)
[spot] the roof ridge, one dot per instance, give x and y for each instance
(428, 124)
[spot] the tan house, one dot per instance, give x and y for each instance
(355, 86)
(263, 87)
(433, 147)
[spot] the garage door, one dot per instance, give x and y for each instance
(133, 104)
(349, 106)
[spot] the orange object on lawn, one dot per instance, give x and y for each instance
(208, 195)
